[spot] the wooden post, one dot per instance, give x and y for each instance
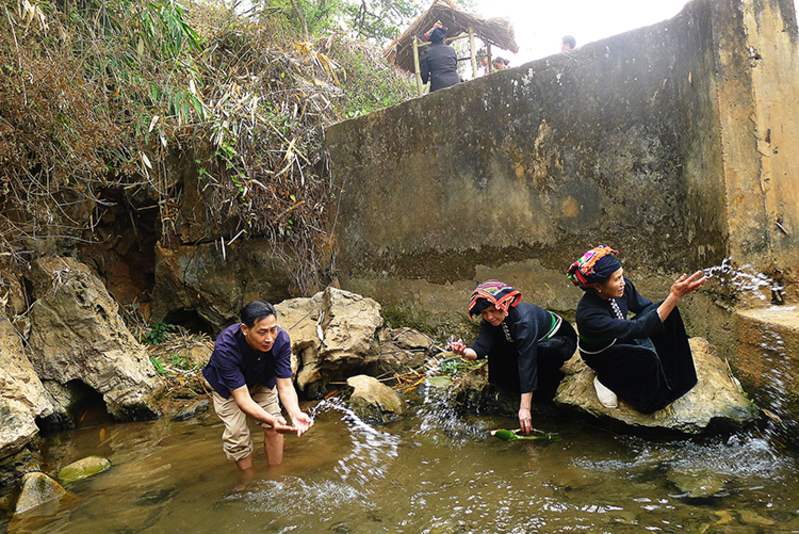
(416, 66)
(490, 66)
(472, 52)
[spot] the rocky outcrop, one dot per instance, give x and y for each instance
(78, 335)
(37, 489)
(374, 401)
(216, 284)
(717, 396)
(22, 395)
(336, 333)
(83, 468)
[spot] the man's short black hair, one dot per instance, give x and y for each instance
(255, 311)
(569, 40)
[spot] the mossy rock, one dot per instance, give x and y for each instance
(84, 468)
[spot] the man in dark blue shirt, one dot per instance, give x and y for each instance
(249, 368)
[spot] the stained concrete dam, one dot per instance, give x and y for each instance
(677, 143)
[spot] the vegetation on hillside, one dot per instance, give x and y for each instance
(102, 97)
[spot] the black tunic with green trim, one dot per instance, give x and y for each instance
(647, 375)
(526, 351)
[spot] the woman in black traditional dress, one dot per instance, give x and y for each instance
(526, 345)
(645, 361)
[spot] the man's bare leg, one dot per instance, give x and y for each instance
(273, 447)
(245, 464)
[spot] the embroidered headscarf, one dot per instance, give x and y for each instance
(496, 293)
(596, 265)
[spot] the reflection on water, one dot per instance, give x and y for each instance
(418, 475)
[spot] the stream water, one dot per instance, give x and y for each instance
(433, 471)
(430, 472)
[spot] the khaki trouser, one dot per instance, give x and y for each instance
(236, 440)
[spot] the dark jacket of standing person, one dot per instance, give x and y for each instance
(440, 63)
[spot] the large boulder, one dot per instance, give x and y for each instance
(37, 489)
(717, 396)
(78, 336)
(214, 284)
(349, 323)
(374, 401)
(22, 395)
(336, 334)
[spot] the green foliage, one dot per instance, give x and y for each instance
(158, 364)
(456, 366)
(370, 84)
(181, 362)
(157, 333)
(318, 16)
(381, 20)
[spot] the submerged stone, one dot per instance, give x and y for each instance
(699, 484)
(749, 517)
(192, 410)
(37, 489)
(374, 401)
(83, 468)
(718, 396)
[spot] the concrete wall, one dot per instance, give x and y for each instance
(676, 143)
(757, 87)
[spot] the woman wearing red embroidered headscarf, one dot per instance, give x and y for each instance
(645, 361)
(525, 345)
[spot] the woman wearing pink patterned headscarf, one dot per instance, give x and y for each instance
(645, 361)
(526, 345)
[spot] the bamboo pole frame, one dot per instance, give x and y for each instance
(472, 52)
(416, 66)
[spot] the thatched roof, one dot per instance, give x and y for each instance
(496, 32)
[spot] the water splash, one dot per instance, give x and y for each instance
(438, 413)
(774, 384)
(745, 279)
(372, 450)
(439, 418)
(744, 457)
(295, 496)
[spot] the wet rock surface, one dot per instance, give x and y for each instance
(374, 401)
(83, 468)
(37, 489)
(716, 397)
(78, 335)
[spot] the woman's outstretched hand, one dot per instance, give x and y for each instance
(459, 347)
(687, 284)
(682, 286)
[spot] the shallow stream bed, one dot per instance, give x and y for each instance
(433, 473)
